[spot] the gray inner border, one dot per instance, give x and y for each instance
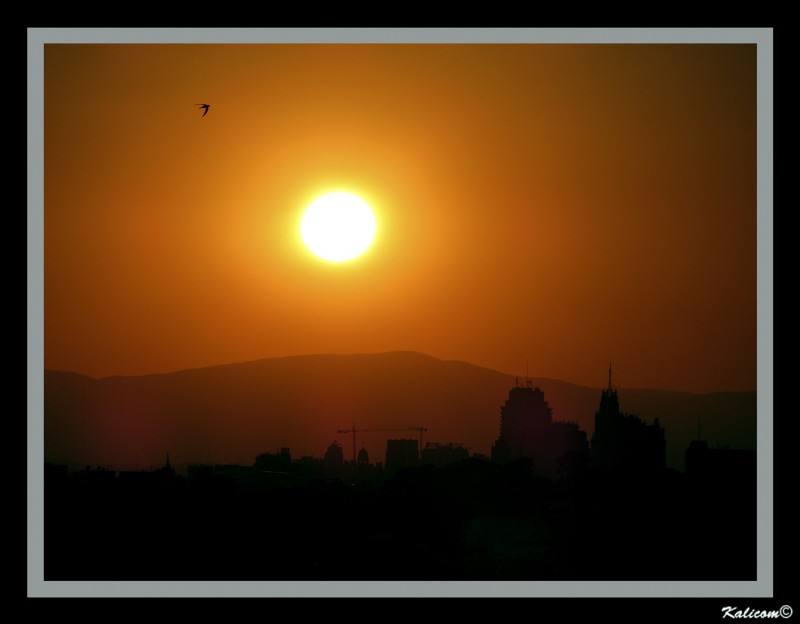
(37, 587)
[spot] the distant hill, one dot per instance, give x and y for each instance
(232, 412)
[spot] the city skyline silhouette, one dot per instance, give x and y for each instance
(435, 513)
(230, 413)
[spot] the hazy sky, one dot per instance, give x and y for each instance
(550, 206)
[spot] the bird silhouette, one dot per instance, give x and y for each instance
(206, 107)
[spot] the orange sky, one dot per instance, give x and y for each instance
(557, 205)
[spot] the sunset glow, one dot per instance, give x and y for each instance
(548, 206)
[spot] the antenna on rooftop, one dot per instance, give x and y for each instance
(528, 380)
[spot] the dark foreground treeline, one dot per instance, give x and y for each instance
(471, 520)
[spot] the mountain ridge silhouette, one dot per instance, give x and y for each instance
(228, 413)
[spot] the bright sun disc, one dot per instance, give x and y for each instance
(338, 226)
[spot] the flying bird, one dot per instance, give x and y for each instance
(206, 107)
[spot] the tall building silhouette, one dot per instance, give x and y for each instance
(334, 455)
(401, 454)
(720, 465)
(527, 429)
(624, 442)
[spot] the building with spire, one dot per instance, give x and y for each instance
(166, 471)
(624, 442)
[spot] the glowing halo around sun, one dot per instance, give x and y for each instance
(338, 226)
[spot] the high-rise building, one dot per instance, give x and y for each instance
(527, 429)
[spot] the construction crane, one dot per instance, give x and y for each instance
(353, 430)
(420, 429)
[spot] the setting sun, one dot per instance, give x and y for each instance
(338, 226)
